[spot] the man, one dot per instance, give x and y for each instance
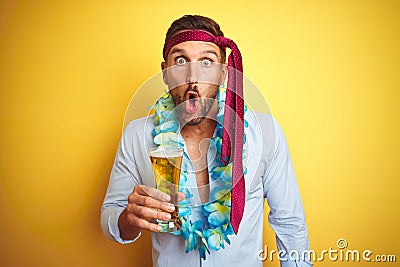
(222, 199)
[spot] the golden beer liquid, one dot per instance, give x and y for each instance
(167, 171)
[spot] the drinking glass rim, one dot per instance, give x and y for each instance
(166, 149)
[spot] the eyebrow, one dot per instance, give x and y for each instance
(210, 52)
(178, 50)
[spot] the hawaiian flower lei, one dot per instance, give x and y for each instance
(213, 232)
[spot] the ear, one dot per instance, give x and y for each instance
(164, 72)
(224, 72)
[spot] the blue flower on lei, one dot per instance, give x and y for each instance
(218, 236)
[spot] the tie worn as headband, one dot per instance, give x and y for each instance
(233, 114)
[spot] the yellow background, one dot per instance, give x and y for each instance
(68, 69)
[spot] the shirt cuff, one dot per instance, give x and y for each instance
(114, 230)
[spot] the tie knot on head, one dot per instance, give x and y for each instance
(222, 41)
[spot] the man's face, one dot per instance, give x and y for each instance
(193, 73)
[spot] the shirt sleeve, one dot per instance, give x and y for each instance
(286, 216)
(124, 177)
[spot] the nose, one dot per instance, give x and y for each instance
(192, 72)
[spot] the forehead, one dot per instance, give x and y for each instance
(195, 48)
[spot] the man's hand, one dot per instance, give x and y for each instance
(144, 205)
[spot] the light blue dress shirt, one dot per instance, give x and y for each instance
(270, 175)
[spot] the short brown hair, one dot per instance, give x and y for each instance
(196, 22)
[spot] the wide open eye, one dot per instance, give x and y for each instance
(180, 61)
(206, 63)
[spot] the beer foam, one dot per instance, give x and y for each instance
(165, 153)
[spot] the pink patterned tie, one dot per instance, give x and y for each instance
(233, 114)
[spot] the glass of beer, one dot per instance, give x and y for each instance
(166, 163)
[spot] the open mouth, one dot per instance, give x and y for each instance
(191, 101)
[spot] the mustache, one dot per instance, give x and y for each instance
(192, 88)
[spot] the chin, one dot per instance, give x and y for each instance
(191, 119)
(195, 121)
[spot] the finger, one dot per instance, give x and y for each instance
(153, 192)
(150, 202)
(181, 196)
(143, 224)
(176, 198)
(150, 214)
